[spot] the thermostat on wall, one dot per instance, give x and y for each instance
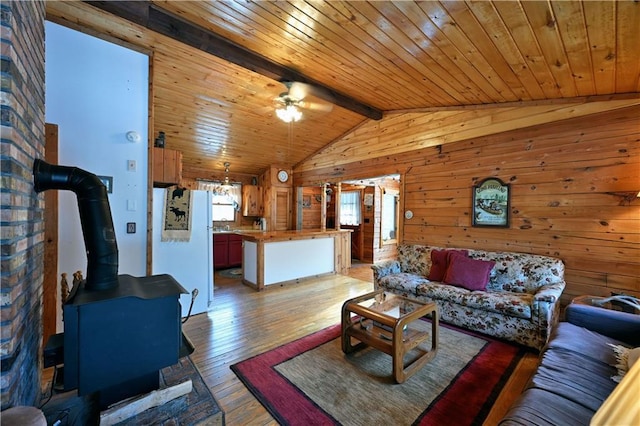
(408, 214)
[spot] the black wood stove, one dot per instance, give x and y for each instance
(119, 330)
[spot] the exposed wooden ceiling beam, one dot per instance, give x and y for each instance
(146, 14)
(522, 104)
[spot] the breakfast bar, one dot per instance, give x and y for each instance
(281, 257)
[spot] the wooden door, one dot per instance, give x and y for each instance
(356, 240)
(50, 279)
(356, 243)
(283, 209)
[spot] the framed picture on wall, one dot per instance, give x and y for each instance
(491, 203)
(368, 199)
(306, 201)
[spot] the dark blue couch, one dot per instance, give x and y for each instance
(573, 377)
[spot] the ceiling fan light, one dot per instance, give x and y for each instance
(289, 113)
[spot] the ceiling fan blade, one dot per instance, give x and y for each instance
(316, 106)
(299, 90)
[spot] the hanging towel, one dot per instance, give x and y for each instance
(176, 220)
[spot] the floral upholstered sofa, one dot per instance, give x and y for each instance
(513, 296)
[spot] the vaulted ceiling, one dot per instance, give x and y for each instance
(218, 65)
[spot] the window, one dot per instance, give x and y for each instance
(350, 212)
(389, 216)
(224, 203)
(224, 200)
(223, 211)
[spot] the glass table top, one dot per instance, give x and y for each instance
(391, 305)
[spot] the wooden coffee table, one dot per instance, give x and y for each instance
(385, 321)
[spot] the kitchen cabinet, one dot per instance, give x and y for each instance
(251, 200)
(167, 167)
(235, 250)
(227, 250)
(220, 251)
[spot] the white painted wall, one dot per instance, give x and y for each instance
(250, 261)
(96, 92)
(289, 260)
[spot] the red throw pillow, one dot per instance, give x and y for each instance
(440, 262)
(472, 274)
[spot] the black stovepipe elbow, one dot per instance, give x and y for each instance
(95, 218)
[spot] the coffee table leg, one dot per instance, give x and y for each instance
(398, 356)
(402, 372)
(347, 347)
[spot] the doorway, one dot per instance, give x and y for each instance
(375, 247)
(368, 244)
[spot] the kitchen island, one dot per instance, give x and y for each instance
(281, 257)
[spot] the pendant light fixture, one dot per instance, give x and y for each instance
(226, 174)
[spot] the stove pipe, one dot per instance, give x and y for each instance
(95, 218)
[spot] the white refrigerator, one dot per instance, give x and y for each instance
(190, 263)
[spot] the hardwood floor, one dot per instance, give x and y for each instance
(244, 323)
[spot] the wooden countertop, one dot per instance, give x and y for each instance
(306, 234)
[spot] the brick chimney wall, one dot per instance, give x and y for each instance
(21, 215)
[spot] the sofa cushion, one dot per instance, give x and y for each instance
(440, 262)
(584, 343)
(403, 282)
(584, 381)
(414, 259)
(511, 304)
(469, 273)
(618, 325)
(520, 272)
(541, 408)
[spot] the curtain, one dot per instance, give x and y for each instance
(223, 194)
(350, 211)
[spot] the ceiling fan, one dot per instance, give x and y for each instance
(289, 104)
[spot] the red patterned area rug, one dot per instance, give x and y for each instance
(312, 382)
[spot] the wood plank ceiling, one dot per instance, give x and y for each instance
(390, 56)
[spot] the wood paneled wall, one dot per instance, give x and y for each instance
(311, 214)
(399, 133)
(572, 185)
